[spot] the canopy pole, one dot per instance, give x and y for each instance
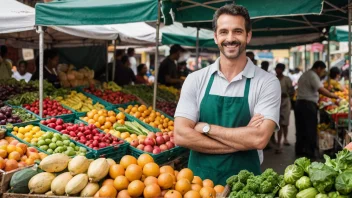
(328, 60)
(197, 49)
(41, 63)
(349, 68)
(107, 62)
(305, 58)
(156, 66)
(114, 62)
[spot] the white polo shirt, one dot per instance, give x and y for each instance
(264, 95)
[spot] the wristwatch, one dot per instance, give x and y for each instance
(206, 129)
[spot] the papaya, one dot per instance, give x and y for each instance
(76, 184)
(40, 183)
(90, 190)
(78, 164)
(59, 183)
(98, 169)
(54, 163)
(19, 180)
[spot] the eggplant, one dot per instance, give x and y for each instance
(2, 122)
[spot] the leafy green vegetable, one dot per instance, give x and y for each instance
(308, 193)
(322, 176)
(303, 183)
(244, 175)
(342, 162)
(288, 191)
(343, 183)
(333, 194)
(303, 163)
(231, 180)
(321, 196)
(237, 186)
(292, 174)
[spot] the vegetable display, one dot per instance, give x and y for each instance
(145, 93)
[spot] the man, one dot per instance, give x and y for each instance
(251, 56)
(133, 61)
(117, 58)
(5, 64)
(141, 77)
(265, 65)
(217, 114)
(124, 74)
(168, 68)
(21, 73)
(306, 110)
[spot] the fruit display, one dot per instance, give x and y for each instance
(79, 102)
(114, 97)
(155, 142)
(104, 119)
(103, 177)
(111, 86)
(302, 179)
(14, 115)
(28, 133)
(145, 93)
(69, 77)
(25, 98)
(87, 135)
(14, 154)
(11, 87)
(167, 107)
(341, 107)
(150, 116)
(50, 108)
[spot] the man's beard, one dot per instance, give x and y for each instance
(240, 50)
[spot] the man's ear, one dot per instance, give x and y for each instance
(249, 37)
(215, 39)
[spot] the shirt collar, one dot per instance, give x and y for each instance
(248, 71)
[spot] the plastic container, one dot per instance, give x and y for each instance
(161, 158)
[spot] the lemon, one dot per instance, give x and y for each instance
(21, 130)
(13, 132)
(36, 129)
(20, 135)
(15, 128)
(27, 139)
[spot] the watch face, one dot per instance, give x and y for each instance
(206, 129)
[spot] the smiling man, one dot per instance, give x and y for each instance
(228, 111)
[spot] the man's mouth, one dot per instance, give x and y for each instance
(231, 45)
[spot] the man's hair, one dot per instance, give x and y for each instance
(234, 10)
(176, 48)
(23, 62)
(130, 50)
(3, 50)
(281, 66)
(334, 72)
(140, 67)
(119, 52)
(124, 59)
(265, 65)
(319, 64)
(49, 54)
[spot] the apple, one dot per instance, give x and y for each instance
(149, 141)
(148, 148)
(151, 135)
(59, 121)
(166, 137)
(160, 140)
(156, 150)
(158, 133)
(163, 147)
(172, 139)
(171, 133)
(170, 145)
(134, 143)
(140, 147)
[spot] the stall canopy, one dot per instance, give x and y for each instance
(95, 12)
(339, 33)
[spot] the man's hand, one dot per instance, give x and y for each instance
(256, 120)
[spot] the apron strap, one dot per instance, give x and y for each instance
(246, 89)
(210, 83)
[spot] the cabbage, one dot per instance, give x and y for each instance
(343, 183)
(304, 163)
(322, 177)
(288, 191)
(292, 174)
(308, 193)
(303, 183)
(321, 196)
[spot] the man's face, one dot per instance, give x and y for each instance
(231, 36)
(55, 61)
(278, 71)
(22, 68)
(320, 72)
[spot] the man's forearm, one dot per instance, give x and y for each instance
(327, 93)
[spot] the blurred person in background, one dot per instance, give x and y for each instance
(132, 59)
(251, 56)
(21, 73)
(5, 64)
(141, 77)
(265, 65)
(123, 72)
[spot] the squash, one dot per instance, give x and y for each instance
(40, 183)
(19, 180)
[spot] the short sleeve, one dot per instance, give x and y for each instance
(187, 106)
(269, 100)
(315, 82)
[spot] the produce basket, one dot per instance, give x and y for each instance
(45, 129)
(161, 158)
(5, 178)
(37, 118)
(116, 154)
(338, 116)
(96, 153)
(79, 113)
(145, 125)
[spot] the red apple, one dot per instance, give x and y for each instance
(158, 133)
(140, 147)
(166, 137)
(134, 143)
(163, 147)
(160, 140)
(171, 134)
(172, 139)
(58, 128)
(59, 121)
(148, 148)
(156, 151)
(149, 141)
(170, 145)
(151, 135)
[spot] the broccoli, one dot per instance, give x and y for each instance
(269, 172)
(273, 179)
(237, 186)
(266, 187)
(244, 175)
(233, 194)
(243, 194)
(253, 185)
(231, 180)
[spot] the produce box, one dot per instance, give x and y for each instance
(22, 114)
(161, 158)
(5, 178)
(132, 118)
(15, 195)
(97, 153)
(8, 133)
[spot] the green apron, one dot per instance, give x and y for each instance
(231, 112)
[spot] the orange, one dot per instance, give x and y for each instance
(101, 120)
(91, 121)
(95, 117)
(108, 125)
(29, 161)
(2, 163)
(22, 146)
(183, 185)
(185, 173)
(192, 194)
(3, 153)
(208, 183)
(112, 119)
(111, 114)
(134, 109)
(11, 148)
(10, 165)
(196, 187)
(97, 124)
(19, 150)
(151, 169)
(34, 156)
(123, 194)
(150, 180)
(90, 115)
(136, 188)
(107, 191)
(197, 180)
(106, 130)
(121, 121)
(133, 172)
(167, 169)
(173, 194)
(165, 180)
(121, 183)
(152, 191)
(207, 192)
(108, 182)
(219, 188)
(176, 173)
(129, 107)
(101, 112)
(15, 156)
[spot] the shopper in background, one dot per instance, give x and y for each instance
(306, 110)
(287, 92)
(5, 64)
(334, 78)
(251, 56)
(50, 71)
(182, 69)
(168, 68)
(141, 77)
(265, 65)
(133, 61)
(123, 73)
(21, 73)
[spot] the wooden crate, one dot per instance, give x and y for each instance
(5, 178)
